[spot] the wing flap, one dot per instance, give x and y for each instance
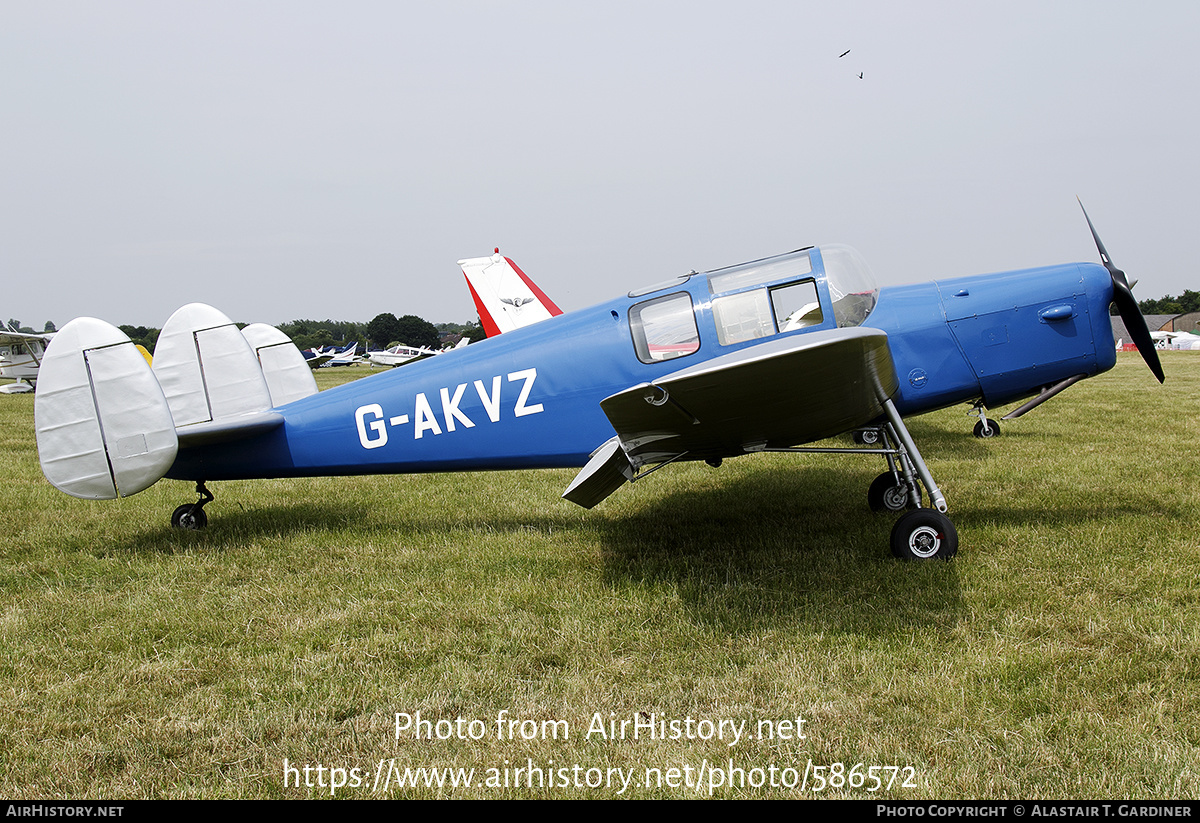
(606, 471)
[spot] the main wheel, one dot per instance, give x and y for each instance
(992, 430)
(924, 534)
(867, 437)
(886, 495)
(185, 518)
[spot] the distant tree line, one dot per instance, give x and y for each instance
(15, 325)
(383, 331)
(1187, 302)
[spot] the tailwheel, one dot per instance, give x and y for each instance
(191, 516)
(924, 534)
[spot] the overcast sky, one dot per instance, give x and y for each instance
(284, 160)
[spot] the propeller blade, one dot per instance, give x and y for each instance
(1127, 305)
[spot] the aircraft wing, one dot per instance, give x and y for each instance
(318, 360)
(11, 338)
(782, 393)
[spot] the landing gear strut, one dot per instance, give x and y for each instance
(986, 427)
(191, 516)
(922, 533)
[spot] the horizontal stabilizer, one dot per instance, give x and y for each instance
(606, 472)
(103, 426)
(286, 371)
(228, 428)
(206, 368)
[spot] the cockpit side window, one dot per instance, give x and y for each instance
(797, 306)
(762, 312)
(664, 328)
(765, 297)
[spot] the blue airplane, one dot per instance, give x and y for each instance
(764, 356)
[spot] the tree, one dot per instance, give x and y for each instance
(383, 329)
(307, 334)
(474, 332)
(141, 335)
(413, 331)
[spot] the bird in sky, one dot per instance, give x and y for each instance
(843, 54)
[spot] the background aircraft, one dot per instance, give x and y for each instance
(20, 358)
(398, 355)
(1182, 340)
(763, 356)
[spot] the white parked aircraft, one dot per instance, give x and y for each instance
(20, 358)
(398, 354)
(1181, 340)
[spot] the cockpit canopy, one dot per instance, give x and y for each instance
(851, 284)
(759, 299)
(780, 294)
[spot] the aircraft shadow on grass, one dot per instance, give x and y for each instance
(805, 558)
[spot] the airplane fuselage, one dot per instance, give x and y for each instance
(530, 398)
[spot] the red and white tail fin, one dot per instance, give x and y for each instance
(505, 297)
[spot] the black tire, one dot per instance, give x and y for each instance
(867, 437)
(886, 495)
(993, 429)
(924, 534)
(185, 518)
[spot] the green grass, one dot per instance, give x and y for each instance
(1057, 656)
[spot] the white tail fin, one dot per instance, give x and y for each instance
(206, 368)
(104, 428)
(284, 367)
(505, 297)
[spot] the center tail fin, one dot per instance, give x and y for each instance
(504, 296)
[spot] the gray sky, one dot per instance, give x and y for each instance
(297, 159)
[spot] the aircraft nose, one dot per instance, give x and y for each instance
(1127, 306)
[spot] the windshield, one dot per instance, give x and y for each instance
(851, 284)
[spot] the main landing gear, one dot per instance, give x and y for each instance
(191, 516)
(920, 533)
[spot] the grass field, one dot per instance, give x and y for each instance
(1058, 656)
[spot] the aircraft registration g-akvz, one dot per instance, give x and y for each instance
(759, 357)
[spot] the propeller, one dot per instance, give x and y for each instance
(1127, 305)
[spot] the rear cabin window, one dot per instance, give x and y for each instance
(758, 309)
(664, 328)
